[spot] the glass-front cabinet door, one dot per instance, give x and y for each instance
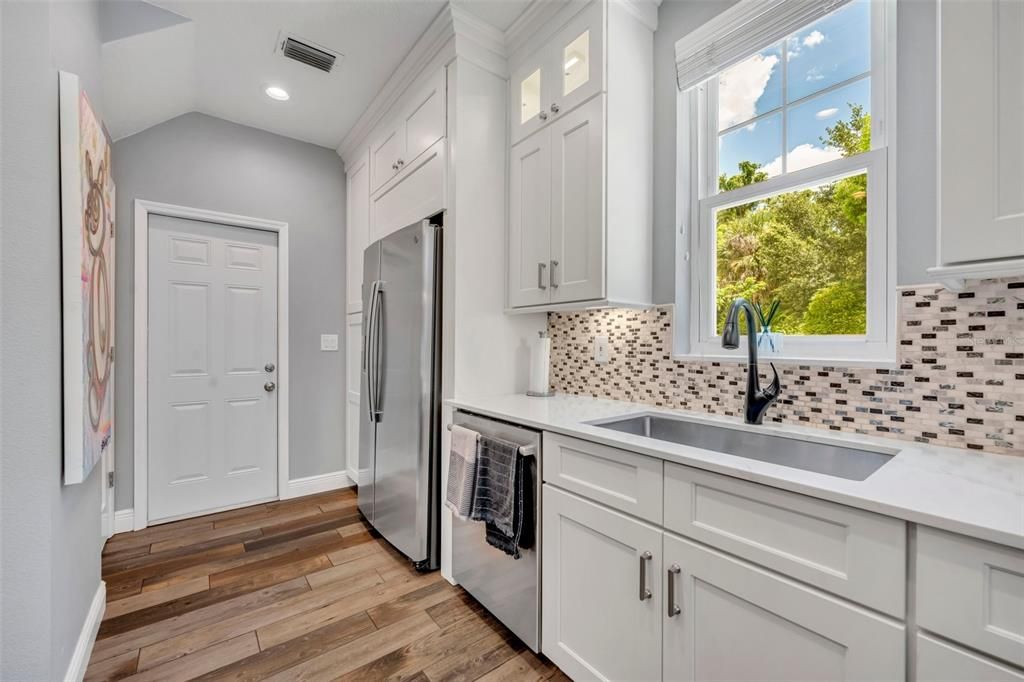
(561, 74)
(579, 60)
(529, 112)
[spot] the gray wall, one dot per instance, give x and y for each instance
(50, 534)
(204, 162)
(915, 139)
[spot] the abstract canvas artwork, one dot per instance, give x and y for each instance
(87, 265)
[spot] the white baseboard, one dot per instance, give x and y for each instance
(353, 476)
(86, 638)
(124, 520)
(321, 483)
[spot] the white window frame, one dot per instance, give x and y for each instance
(698, 199)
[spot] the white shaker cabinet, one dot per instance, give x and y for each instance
(729, 620)
(981, 140)
(567, 70)
(556, 211)
(602, 597)
(529, 241)
(357, 236)
(580, 198)
(418, 124)
(577, 205)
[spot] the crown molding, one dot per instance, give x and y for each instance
(479, 42)
(536, 15)
(646, 11)
(429, 45)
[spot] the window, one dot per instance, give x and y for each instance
(784, 180)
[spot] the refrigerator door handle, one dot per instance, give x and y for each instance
(369, 350)
(376, 368)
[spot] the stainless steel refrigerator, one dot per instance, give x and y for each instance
(399, 430)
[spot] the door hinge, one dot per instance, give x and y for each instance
(110, 479)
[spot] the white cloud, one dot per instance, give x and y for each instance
(803, 156)
(741, 86)
(826, 113)
(813, 38)
(815, 74)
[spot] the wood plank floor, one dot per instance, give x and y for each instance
(297, 589)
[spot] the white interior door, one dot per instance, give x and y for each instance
(212, 367)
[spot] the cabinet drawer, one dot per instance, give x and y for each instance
(623, 480)
(971, 592)
(855, 554)
(943, 662)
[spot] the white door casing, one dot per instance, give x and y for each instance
(199, 394)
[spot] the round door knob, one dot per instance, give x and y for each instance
(554, 109)
(394, 166)
(269, 386)
(269, 367)
(543, 115)
(401, 163)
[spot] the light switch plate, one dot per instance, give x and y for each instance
(328, 342)
(602, 353)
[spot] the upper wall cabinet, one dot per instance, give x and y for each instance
(419, 123)
(563, 73)
(981, 140)
(580, 181)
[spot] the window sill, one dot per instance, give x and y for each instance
(764, 359)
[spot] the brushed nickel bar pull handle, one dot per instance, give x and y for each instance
(673, 607)
(645, 592)
(540, 276)
(554, 284)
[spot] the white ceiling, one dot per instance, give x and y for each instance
(220, 61)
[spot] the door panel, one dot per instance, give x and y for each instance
(782, 630)
(424, 124)
(981, 97)
(212, 330)
(403, 445)
(579, 65)
(357, 233)
(354, 352)
(384, 156)
(530, 90)
(577, 204)
(530, 222)
(595, 624)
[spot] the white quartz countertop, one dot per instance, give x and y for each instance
(963, 491)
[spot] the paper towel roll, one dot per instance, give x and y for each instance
(540, 363)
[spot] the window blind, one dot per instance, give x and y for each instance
(740, 31)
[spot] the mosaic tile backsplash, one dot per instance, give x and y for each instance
(959, 381)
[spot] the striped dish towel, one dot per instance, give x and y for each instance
(462, 471)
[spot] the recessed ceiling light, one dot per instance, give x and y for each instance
(274, 92)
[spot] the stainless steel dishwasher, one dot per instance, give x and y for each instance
(509, 588)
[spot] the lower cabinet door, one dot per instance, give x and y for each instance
(736, 622)
(602, 597)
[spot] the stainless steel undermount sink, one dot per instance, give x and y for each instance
(851, 463)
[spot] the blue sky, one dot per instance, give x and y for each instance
(830, 51)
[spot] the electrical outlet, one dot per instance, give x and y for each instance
(329, 342)
(602, 353)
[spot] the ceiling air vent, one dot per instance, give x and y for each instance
(309, 54)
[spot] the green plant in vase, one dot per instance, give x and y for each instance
(765, 317)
